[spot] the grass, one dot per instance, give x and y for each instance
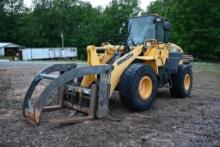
(6, 58)
(212, 68)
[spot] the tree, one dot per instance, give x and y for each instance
(195, 25)
(114, 15)
(10, 11)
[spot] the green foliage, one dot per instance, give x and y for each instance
(195, 24)
(80, 23)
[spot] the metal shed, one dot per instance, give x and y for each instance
(9, 49)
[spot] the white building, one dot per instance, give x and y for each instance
(48, 53)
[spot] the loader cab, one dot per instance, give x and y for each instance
(149, 27)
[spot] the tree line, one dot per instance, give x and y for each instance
(195, 24)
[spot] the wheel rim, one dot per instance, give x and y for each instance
(187, 82)
(145, 87)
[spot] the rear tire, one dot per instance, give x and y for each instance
(138, 87)
(182, 82)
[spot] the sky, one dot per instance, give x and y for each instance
(143, 4)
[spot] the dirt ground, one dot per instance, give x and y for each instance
(194, 121)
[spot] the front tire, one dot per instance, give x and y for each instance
(138, 87)
(182, 82)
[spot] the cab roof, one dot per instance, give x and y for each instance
(150, 15)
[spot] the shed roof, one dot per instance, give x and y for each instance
(8, 44)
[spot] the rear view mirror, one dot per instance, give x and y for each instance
(122, 27)
(166, 25)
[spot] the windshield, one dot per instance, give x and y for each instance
(140, 29)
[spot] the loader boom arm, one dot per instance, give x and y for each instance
(119, 65)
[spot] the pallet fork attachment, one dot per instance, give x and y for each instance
(92, 101)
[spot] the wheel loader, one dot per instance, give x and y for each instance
(136, 69)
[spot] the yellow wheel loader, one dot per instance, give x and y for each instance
(136, 69)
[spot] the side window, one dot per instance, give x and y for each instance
(160, 32)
